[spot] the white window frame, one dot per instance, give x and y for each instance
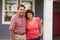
(3, 9)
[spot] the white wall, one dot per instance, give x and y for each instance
(48, 15)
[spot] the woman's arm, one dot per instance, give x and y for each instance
(40, 27)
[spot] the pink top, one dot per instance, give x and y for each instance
(32, 30)
(17, 24)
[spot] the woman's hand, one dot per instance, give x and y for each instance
(40, 34)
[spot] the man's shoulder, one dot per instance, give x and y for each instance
(14, 16)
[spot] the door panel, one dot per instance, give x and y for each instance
(56, 23)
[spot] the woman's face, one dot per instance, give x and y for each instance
(29, 15)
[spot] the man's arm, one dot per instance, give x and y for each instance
(12, 35)
(12, 28)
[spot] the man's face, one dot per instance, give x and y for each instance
(21, 10)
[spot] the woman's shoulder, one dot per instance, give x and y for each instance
(37, 18)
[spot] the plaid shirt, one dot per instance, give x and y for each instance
(17, 24)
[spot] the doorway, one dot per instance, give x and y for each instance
(56, 23)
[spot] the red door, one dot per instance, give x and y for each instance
(56, 23)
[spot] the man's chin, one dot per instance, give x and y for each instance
(21, 14)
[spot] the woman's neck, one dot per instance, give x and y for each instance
(31, 20)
